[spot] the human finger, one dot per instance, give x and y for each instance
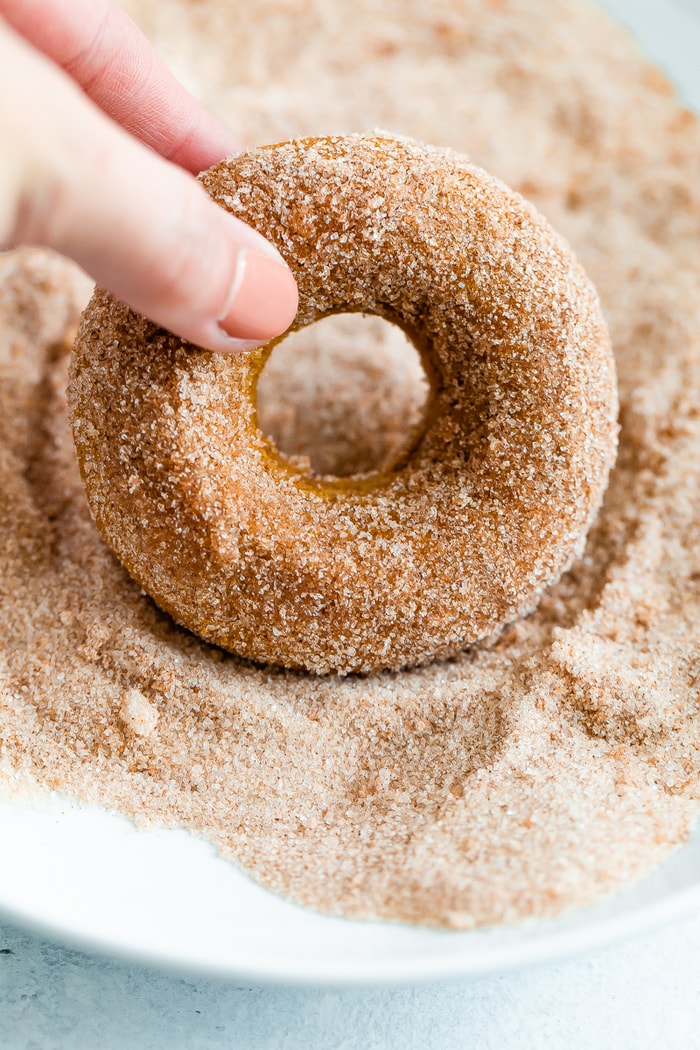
(139, 225)
(99, 46)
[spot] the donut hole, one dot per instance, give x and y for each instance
(345, 396)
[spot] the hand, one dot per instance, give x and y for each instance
(87, 108)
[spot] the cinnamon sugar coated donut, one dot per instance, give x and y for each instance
(456, 537)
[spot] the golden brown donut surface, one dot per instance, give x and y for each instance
(456, 538)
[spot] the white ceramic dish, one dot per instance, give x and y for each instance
(91, 879)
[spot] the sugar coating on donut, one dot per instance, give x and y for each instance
(440, 548)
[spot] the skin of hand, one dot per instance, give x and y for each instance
(100, 144)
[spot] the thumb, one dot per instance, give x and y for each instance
(140, 226)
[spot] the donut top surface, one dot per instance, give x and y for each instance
(459, 535)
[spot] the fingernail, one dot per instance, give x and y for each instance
(263, 299)
(267, 248)
(226, 345)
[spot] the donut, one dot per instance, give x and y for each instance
(485, 506)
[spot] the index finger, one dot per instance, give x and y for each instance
(99, 46)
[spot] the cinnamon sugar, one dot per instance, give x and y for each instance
(508, 782)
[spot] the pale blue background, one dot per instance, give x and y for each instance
(642, 994)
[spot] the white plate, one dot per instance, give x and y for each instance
(92, 879)
(164, 897)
